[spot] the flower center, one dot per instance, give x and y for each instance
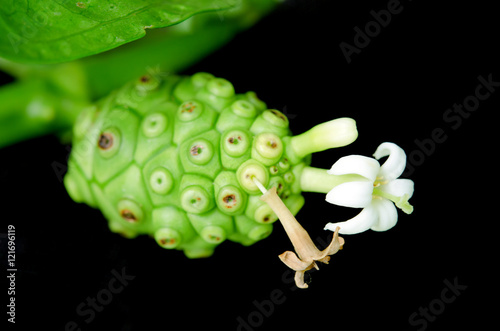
(400, 202)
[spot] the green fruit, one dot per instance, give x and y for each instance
(174, 158)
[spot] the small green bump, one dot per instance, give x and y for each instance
(276, 118)
(108, 142)
(238, 115)
(278, 182)
(213, 234)
(294, 203)
(130, 211)
(289, 177)
(189, 111)
(284, 164)
(84, 122)
(77, 185)
(198, 248)
(200, 79)
(117, 130)
(147, 83)
(154, 124)
(196, 252)
(161, 181)
(175, 220)
(247, 171)
(230, 200)
(265, 215)
(254, 100)
(244, 109)
(195, 199)
(248, 231)
(236, 142)
(271, 120)
(286, 194)
(214, 218)
(260, 232)
(168, 238)
(117, 227)
(199, 156)
(73, 187)
(220, 87)
(201, 151)
(267, 148)
(273, 170)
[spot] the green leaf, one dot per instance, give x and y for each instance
(53, 31)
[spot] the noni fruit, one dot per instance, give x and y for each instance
(175, 157)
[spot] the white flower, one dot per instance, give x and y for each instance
(376, 193)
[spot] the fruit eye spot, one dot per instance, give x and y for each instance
(196, 150)
(188, 107)
(165, 241)
(105, 141)
(279, 114)
(161, 181)
(189, 111)
(128, 216)
(272, 143)
(144, 79)
(229, 200)
(234, 140)
(214, 238)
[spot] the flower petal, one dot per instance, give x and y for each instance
(351, 194)
(394, 166)
(293, 262)
(299, 279)
(387, 215)
(398, 187)
(356, 164)
(359, 223)
(335, 245)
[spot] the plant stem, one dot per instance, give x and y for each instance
(29, 109)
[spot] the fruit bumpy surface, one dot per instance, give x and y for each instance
(174, 157)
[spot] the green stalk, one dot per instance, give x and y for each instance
(29, 109)
(15, 122)
(318, 180)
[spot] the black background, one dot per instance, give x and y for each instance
(397, 88)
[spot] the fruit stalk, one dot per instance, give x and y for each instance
(28, 110)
